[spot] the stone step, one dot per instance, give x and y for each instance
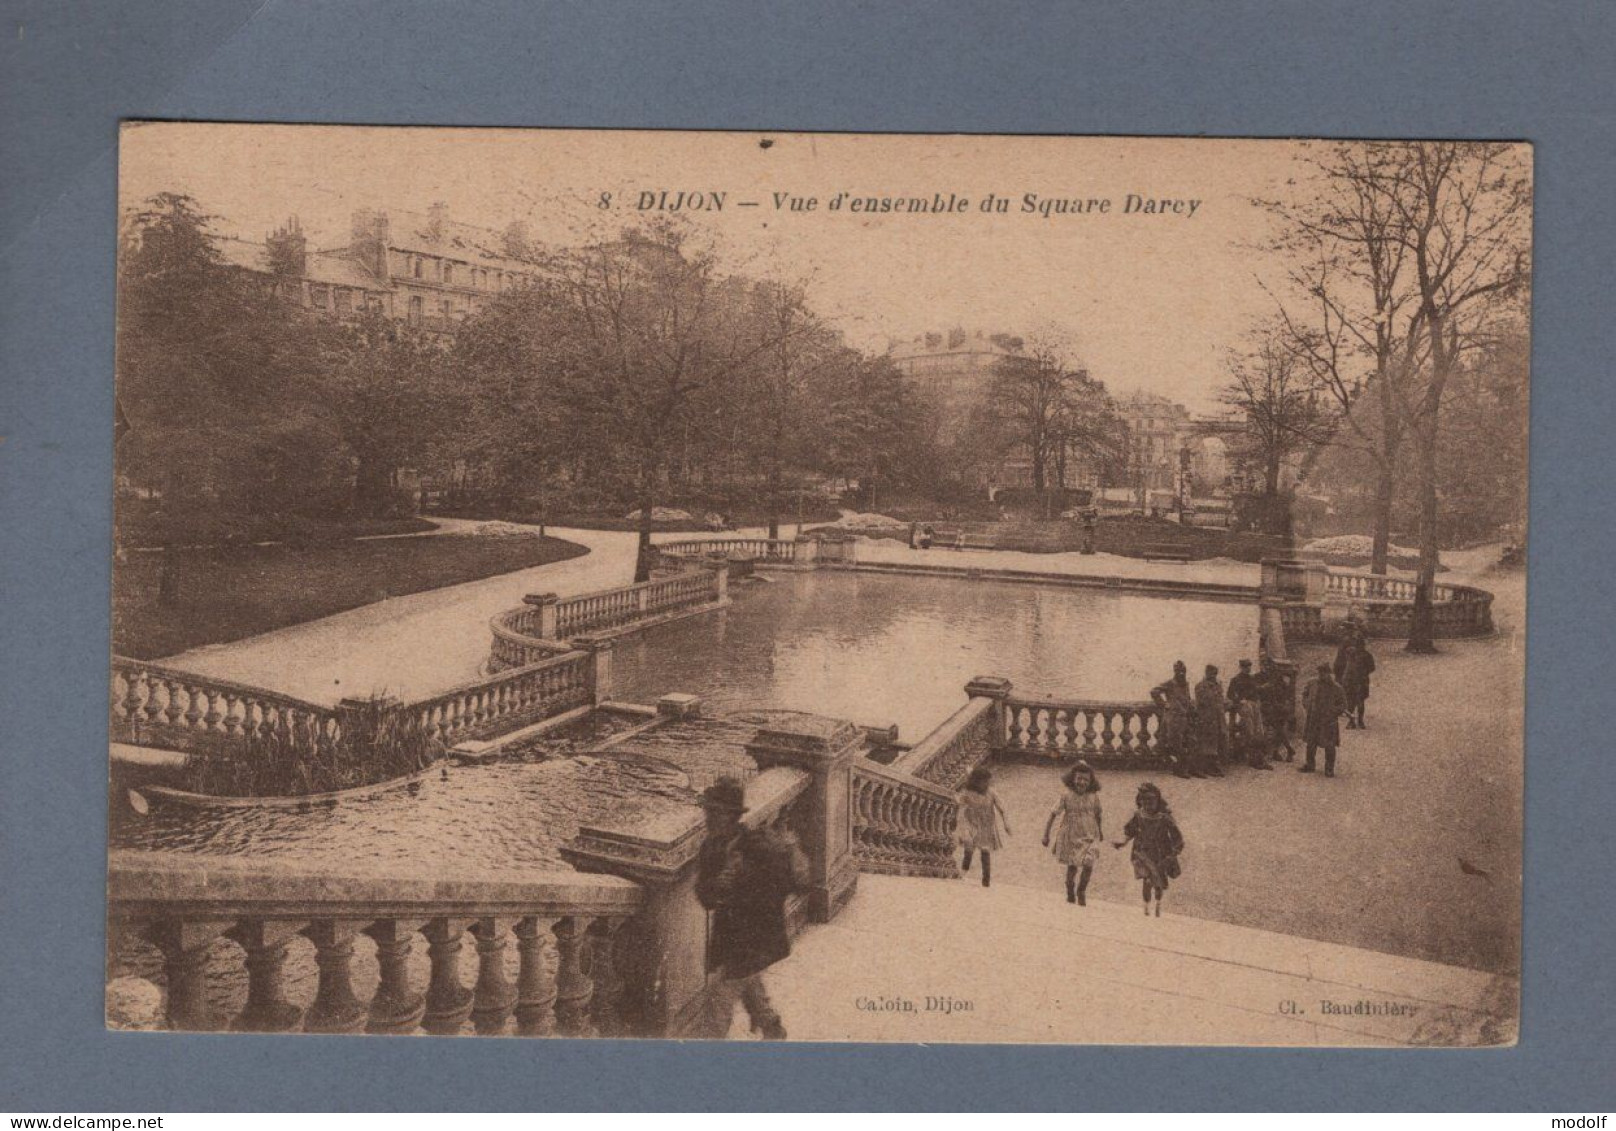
(1033, 968)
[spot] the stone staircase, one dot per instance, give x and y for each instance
(921, 960)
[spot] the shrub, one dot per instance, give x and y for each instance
(377, 745)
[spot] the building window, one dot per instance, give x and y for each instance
(448, 308)
(344, 301)
(416, 307)
(419, 266)
(320, 298)
(448, 271)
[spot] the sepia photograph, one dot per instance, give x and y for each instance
(824, 587)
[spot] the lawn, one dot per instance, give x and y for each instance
(229, 594)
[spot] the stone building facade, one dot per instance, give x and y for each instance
(425, 270)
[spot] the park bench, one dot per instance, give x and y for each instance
(977, 542)
(1166, 553)
(946, 538)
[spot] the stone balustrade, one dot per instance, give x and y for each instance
(151, 705)
(902, 825)
(510, 699)
(1314, 600)
(565, 925)
(1116, 735)
(767, 549)
(517, 640)
(964, 741)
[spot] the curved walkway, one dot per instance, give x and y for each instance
(415, 645)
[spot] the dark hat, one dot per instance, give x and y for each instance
(726, 794)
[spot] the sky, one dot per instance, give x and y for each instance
(1148, 300)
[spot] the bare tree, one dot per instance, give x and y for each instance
(1281, 414)
(1052, 409)
(1463, 211)
(1346, 312)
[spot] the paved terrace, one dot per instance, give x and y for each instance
(1032, 968)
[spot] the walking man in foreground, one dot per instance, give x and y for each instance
(744, 878)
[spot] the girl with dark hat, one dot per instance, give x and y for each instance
(1077, 844)
(1157, 843)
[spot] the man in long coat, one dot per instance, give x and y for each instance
(1279, 707)
(1211, 723)
(1354, 663)
(1176, 705)
(1326, 702)
(744, 877)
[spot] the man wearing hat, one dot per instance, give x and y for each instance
(744, 877)
(1176, 706)
(1245, 692)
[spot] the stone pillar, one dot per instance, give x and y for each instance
(662, 952)
(546, 604)
(599, 647)
(998, 689)
(826, 749)
(807, 551)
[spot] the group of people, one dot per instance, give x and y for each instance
(1195, 729)
(747, 875)
(1074, 832)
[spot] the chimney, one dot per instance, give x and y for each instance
(288, 249)
(515, 240)
(436, 217)
(369, 236)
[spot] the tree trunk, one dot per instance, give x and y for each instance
(642, 556)
(1385, 489)
(1422, 635)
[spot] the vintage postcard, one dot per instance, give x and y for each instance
(819, 587)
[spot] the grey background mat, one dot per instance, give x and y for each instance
(69, 71)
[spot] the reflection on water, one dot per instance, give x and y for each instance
(512, 814)
(877, 649)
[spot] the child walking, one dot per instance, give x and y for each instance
(1078, 843)
(979, 817)
(1156, 843)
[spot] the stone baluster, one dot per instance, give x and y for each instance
(267, 1010)
(574, 986)
(153, 705)
(185, 947)
(335, 1008)
(535, 981)
(448, 1002)
(396, 1008)
(607, 1005)
(494, 997)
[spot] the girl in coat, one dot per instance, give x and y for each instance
(1077, 843)
(979, 816)
(1156, 843)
